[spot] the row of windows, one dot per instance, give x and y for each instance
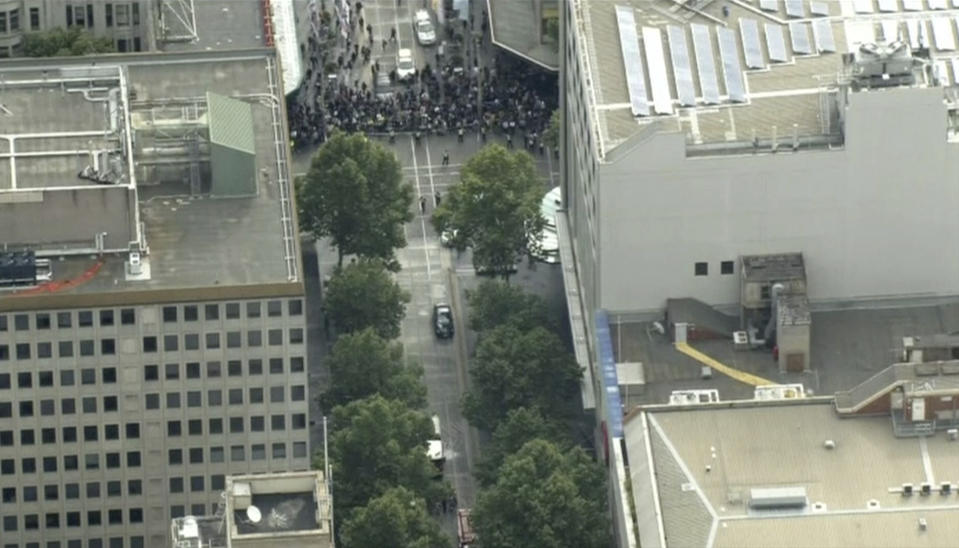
(127, 316)
(68, 406)
(725, 268)
(9, 21)
(91, 461)
(151, 344)
(171, 371)
(69, 434)
(236, 425)
(31, 522)
(123, 14)
(71, 491)
(112, 542)
(133, 459)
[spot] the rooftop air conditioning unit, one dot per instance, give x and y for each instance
(906, 489)
(925, 489)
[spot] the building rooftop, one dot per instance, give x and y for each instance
(189, 236)
(775, 66)
(511, 21)
(709, 458)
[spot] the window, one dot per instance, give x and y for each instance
(726, 267)
(190, 313)
(212, 311)
(256, 395)
(67, 378)
(106, 318)
(71, 491)
(27, 437)
(6, 438)
(257, 424)
(88, 376)
(47, 408)
(135, 12)
(29, 466)
(6, 410)
(172, 371)
(111, 432)
(196, 483)
(86, 347)
(4, 352)
(196, 455)
(298, 393)
(295, 307)
(69, 434)
(176, 485)
(85, 318)
(24, 380)
(133, 430)
(173, 428)
(253, 309)
(279, 450)
(169, 314)
(299, 449)
(34, 18)
(256, 367)
(236, 396)
(149, 344)
(133, 459)
(216, 426)
(23, 351)
(232, 311)
(274, 309)
(4, 381)
(64, 320)
(123, 15)
(212, 369)
(113, 460)
(191, 341)
(115, 517)
(195, 427)
(6, 466)
(109, 375)
(9, 495)
(152, 401)
(298, 420)
(31, 522)
(122, 43)
(3, 323)
(276, 366)
(9, 523)
(236, 425)
(90, 433)
(93, 517)
(91, 461)
(73, 519)
(258, 451)
(44, 350)
(216, 454)
(701, 269)
(233, 339)
(136, 515)
(171, 343)
(212, 340)
(296, 335)
(26, 409)
(254, 337)
(127, 315)
(237, 453)
(234, 368)
(65, 349)
(214, 398)
(89, 15)
(43, 321)
(277, 394)
(194, 398)
(21, 322)
(135, 487)
(278, 422)
(151, 373)
(48, 435)
(175, 457)
(275, 337)
(51, 492)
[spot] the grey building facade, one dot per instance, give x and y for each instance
(126, 23)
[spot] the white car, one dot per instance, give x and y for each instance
(405, 68)
(423, 26)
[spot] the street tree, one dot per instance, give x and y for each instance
(363, 294)
(377, 444)
(398, 518)
(551, 133)
(354, 194)
(59, 42)
(545, 496)
(496, 303)
(363, 364)
(515, 368)
(495, 209)
(520, 426)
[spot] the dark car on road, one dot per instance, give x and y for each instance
(443, 321)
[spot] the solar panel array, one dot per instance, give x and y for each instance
(682, 70)
(943, 35)
(912, 5)
(888, 5)
(769, 5)
(938, 4)
(890, 30)
(821, 8)
(633, 61)
(862, 6)
(705, 66)
(942, 73)
(799, 35)
(822, 33)
(776, 43)
(794, 8)
(752, 47)
(955, 68)
(658, 77)
(733, 73)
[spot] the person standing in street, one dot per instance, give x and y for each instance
(422, 205)
(446, 157)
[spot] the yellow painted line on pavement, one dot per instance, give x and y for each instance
(740, 376)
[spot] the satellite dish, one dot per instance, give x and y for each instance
(253, 514)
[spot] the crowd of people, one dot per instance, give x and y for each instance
(451, 95)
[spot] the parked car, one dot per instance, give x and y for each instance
(405, 68)
(443, 321)
(447, 237)
(424, 29)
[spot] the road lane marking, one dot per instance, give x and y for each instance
(429, 170)
(416, 176)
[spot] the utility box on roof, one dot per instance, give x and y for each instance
(232, 146)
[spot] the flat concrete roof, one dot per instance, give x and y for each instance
(194, 240)
(707, 459)
(847, 347)
(783, 99)
(222, 24)
(511, 22)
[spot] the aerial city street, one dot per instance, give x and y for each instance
(479, 273)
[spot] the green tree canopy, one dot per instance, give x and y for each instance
(544, 497)
(551, 134)
(58, 42)
(496, 303)
(363, 294)
(495, 209)
(515, 368)
(377, 444)
(363, 364)
(354, 193)
(520, 426)
(398, 519)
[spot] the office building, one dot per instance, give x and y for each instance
(152, 328)
(528, 29)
